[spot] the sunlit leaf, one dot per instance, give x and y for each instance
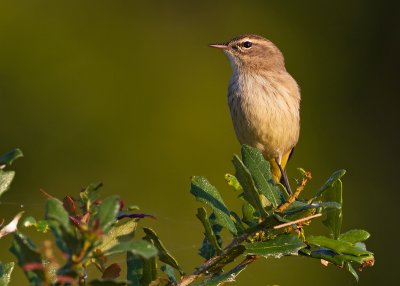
(333, 220)
(5, 273)
(6, 177)
(286, 244)
(208, 194)
(354, 235)
(233, 182)
(107, 212)
(138, 247)
(122, 232)
(340, 247)
(250, 192)
(260, 171)
(331, 181)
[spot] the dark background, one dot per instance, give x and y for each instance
(127, 92)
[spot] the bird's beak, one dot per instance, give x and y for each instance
(219, 46)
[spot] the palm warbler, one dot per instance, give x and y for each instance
(264, 100)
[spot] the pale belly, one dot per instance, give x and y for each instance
(268, 121)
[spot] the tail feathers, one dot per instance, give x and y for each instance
(276, 173)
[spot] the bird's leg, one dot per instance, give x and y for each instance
(284, 177)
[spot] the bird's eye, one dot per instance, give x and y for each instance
(247, 44)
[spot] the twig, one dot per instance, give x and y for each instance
(307, 177)
(186, 280)
(296, 221)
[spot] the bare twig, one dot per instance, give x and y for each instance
(307, 177)
(297, 221)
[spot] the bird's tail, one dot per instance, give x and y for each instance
(276, 172)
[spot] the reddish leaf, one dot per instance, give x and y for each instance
(69, 205)
(112, 271)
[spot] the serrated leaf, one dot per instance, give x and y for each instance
(29, 259)
(250, 191)
(208, 194)
(6, 177)
(331, 181)
(134, 265)
(163, 253)
(210, 236)
(340, 247)
(5, 273)
(118, 233)
(138, 247)
(170, 273)
(337, 259)
(333, 220)
(107, 213)
(354, 236)
(277, 247)
(10, 157)
(260, 171)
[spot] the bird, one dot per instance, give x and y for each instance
(264, 100)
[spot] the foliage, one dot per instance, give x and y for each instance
(87, 230)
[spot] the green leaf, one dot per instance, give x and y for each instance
(233, 182)
(333, 220)
(163, 253)
(277, 247)
(40, 226)
(354, 236)
(107, 213)
(138, 247)
(331, 181)
(118, 233)
(170, 273)
(249, 214)
(55, 211)
(149, 271)
(208, 194)
(134, 265)
(29, 259)
(6, 177)
(261, 173)
(5, 273)
(352, 271)
(250, 191)
(223, 277)
(340, 247)
(208, 232)
(10, 157)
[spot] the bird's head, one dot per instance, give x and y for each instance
(252, 52)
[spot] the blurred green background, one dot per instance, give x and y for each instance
(127, 92)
